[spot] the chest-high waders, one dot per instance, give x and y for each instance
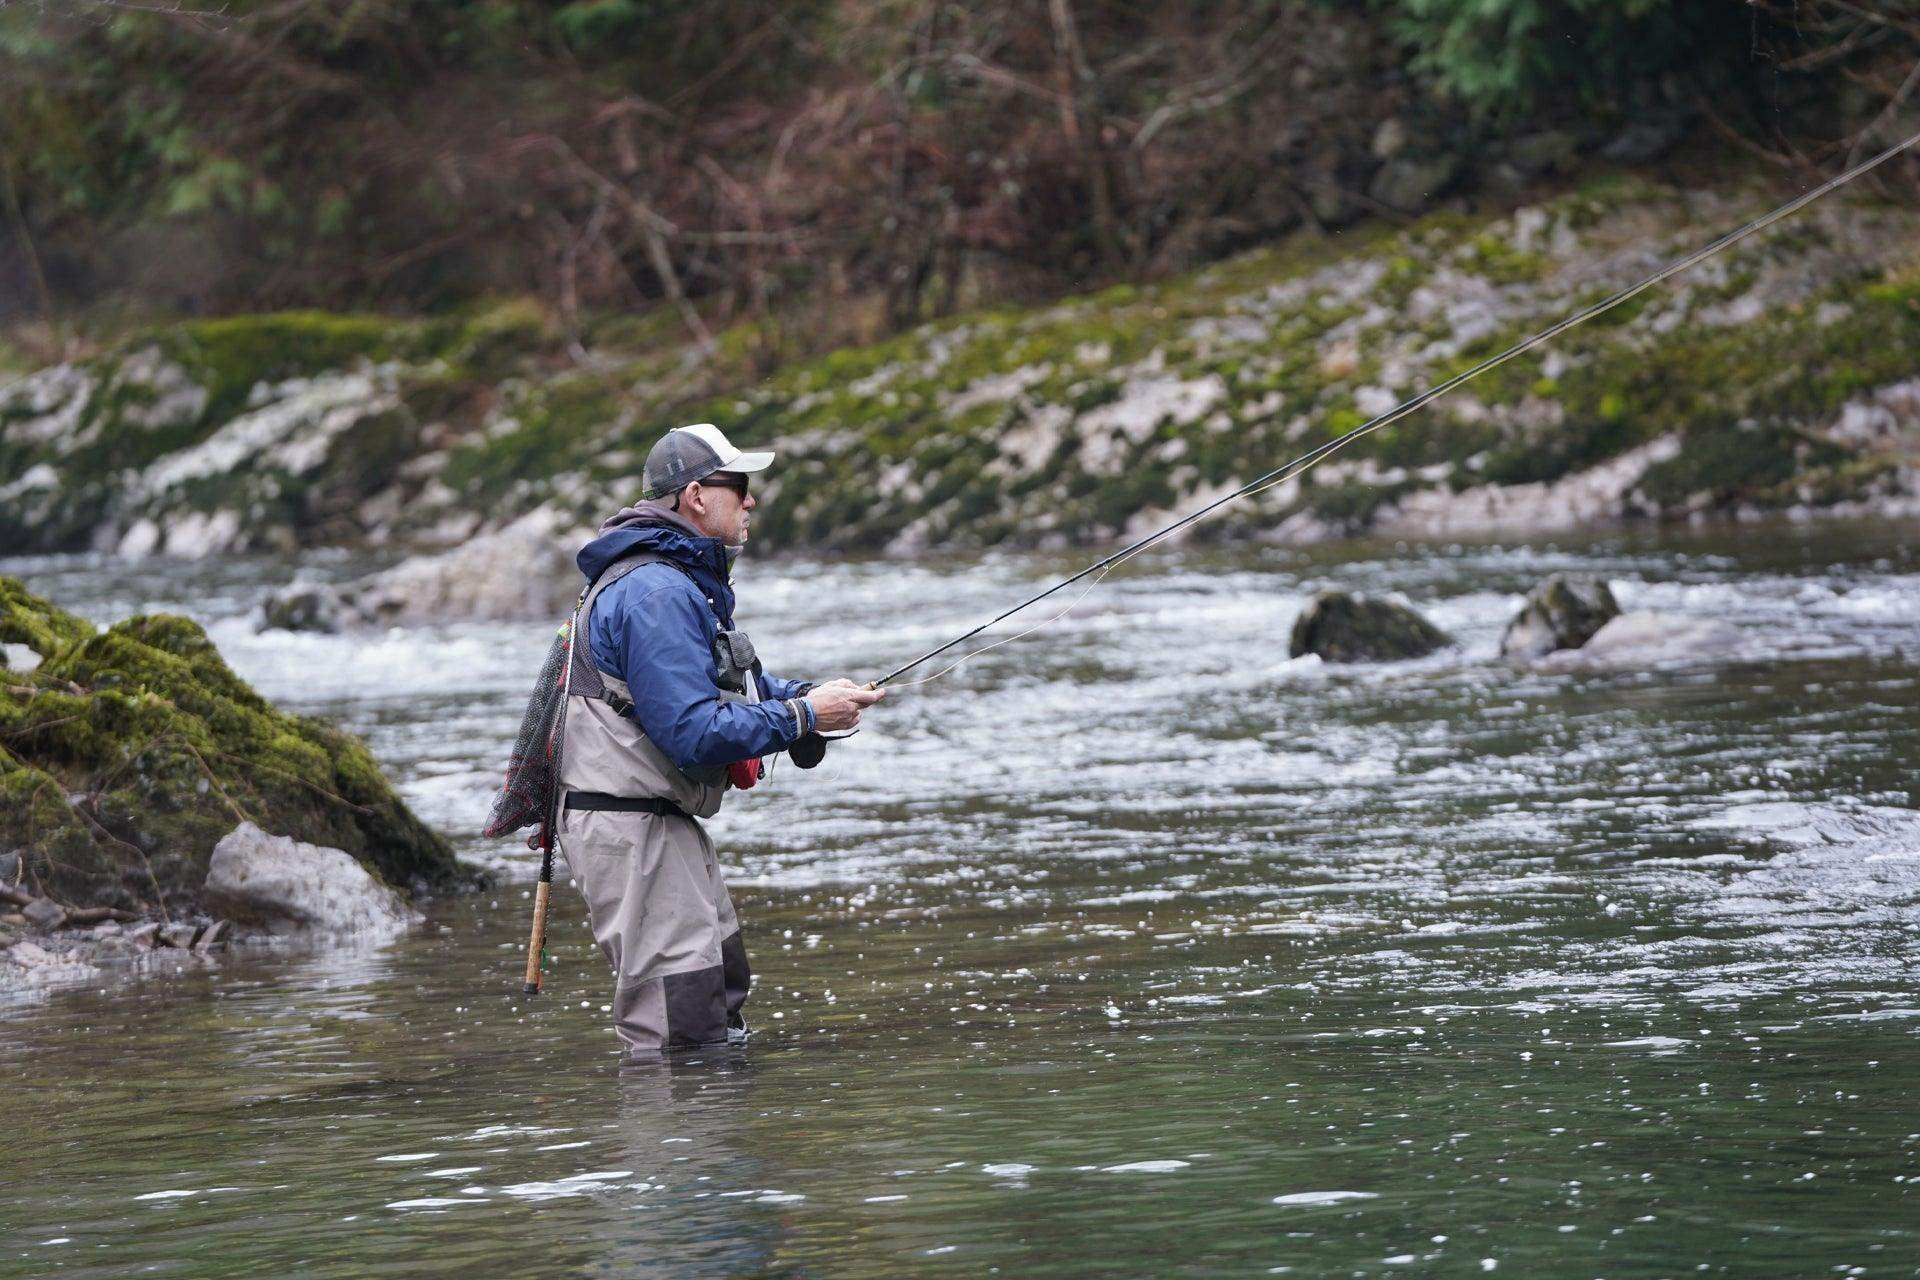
(629, 831)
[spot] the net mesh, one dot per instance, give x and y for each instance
(526, 798)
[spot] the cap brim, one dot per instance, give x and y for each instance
(749, 462)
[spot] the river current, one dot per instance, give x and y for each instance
(1131, 948)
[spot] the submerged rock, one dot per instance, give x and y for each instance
(132, 751)
(303, 606)
(1645, 638)
(1562, 612)
(1342, 627)
(285, 886)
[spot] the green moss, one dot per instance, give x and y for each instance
(42, 626)
(228, 357)
(1498, 260)
(129, 753)
(551, 427)
(1751, 463)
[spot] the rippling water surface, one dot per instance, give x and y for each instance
(1131, 948)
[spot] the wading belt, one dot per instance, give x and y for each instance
(596, 800)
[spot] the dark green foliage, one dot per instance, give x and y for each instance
(1500, 57)
(128, 753)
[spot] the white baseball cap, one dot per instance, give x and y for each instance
(687, 454)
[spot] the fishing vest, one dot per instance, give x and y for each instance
(606, 750)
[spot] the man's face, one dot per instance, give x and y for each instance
(721, 507)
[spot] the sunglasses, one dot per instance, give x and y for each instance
(733, 480)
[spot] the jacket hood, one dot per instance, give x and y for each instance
(655, 527)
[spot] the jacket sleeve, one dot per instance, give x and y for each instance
(780, 690)
(663, 656)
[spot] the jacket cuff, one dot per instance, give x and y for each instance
(802, 712)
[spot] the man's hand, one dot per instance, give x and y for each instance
(837, 704)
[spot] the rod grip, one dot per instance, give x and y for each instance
(537, 943)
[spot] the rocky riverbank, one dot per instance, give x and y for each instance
(140, 780)
(1784, 375)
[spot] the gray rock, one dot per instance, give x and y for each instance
(1411, 183)
(1342, 627)
(177, 935)
(303, 606)
(42, 914)
(288, 886)
(9, 868)
(32, 955)
(524, 572)
(1390, 139)
(1562, 612)
(145, 935)
(1644, 638)
(212, 938)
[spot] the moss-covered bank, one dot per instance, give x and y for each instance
(126, 754)
(1785, 373)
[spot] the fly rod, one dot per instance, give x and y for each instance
(1283, 473)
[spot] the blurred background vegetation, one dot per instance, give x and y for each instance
(836, 170)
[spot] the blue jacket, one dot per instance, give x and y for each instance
(654, 629)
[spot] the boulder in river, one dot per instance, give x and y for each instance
(303, 606)
(1643, 638)
(524, 572)
(1342, 627)
(1562, 612)
(285, 885)
(132, 751)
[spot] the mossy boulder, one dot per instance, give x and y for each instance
(1562, 612)
(129, 752)
(1342, 627)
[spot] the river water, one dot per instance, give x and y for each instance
(1131, 948)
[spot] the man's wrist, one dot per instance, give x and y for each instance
(803, 716)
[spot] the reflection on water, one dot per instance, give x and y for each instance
(1132, 948)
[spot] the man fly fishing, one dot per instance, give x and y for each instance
(667, 708)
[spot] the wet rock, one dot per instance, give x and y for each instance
(303, 606)
(32, 963)
(212, 938)
(524, 572)
(286, 886)
(1342, 627)
(144, 935)
(146, 742)
(1562, 612)
(44, 915)
(9, 867)
(1644, 638)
